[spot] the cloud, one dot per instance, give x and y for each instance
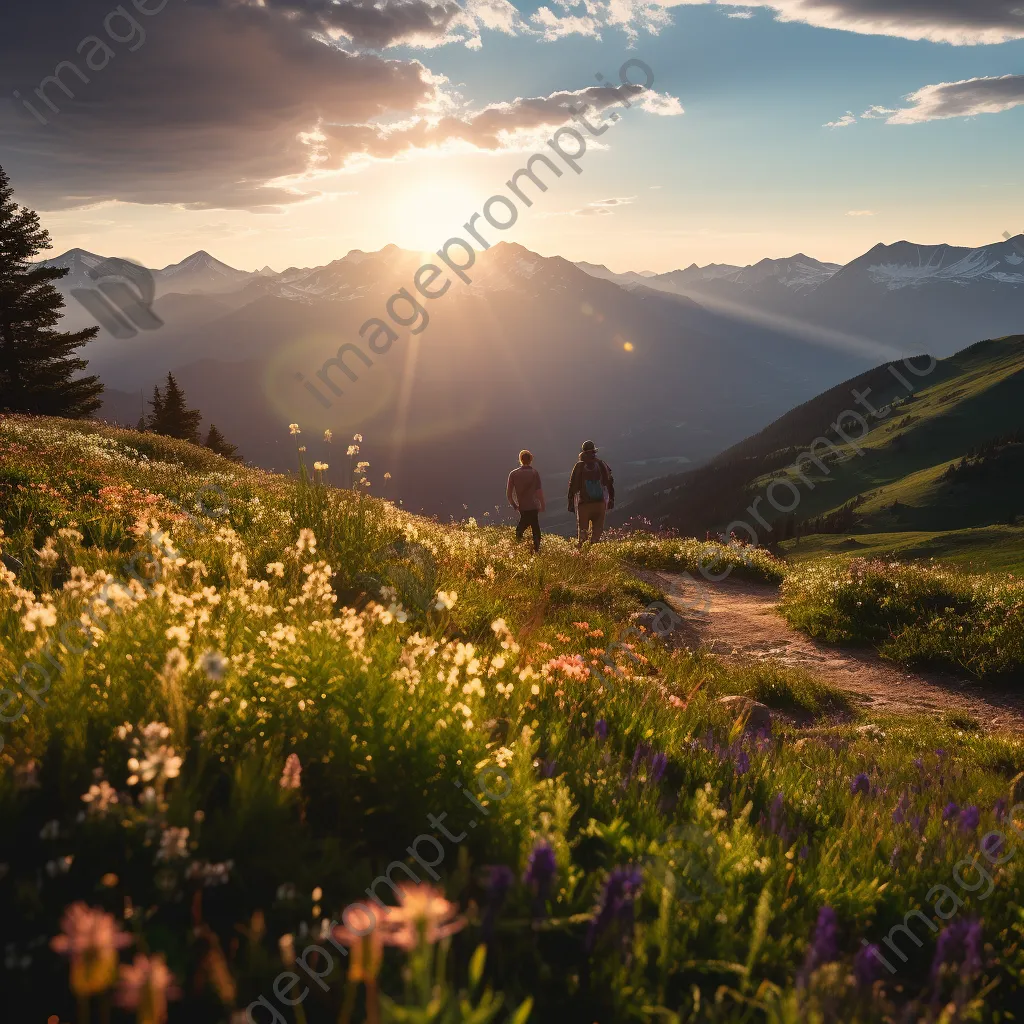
(961, 99)
(844, 122)
(860, 213)
(233, 105)
(553, 27)
(961, 22)
(510, 125)
(741, 14)
(876, 113)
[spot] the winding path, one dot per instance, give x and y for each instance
(743, 624)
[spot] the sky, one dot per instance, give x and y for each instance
(288, 132)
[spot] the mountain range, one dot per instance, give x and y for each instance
(664, 370)
(934, 298)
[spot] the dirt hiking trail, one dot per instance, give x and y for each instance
(744, 625)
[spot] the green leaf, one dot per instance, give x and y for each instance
(523, 1013)
(476, 965)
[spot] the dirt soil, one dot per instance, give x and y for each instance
(743, 624)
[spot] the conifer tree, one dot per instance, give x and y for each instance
(171, 416)
(218, 443)
(39, 372)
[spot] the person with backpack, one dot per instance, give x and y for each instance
(526, 496)
(591, 493)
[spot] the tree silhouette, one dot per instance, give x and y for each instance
(38, 371)
(218, 443)
(171, 416)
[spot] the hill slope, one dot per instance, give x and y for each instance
(946, 455)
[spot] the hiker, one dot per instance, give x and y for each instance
(591, 493)
(526, 496)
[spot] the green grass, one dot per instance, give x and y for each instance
(915, 614)
(406, 665)
(987, 549)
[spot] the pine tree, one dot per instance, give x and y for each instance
(155, 418)
(218, 443)
(38, 371)
(171, 416)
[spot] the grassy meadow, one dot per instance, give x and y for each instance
(319, 760)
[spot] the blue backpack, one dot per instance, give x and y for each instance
(593, 481)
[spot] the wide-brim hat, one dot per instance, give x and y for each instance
(588, 446)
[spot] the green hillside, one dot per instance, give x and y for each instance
(288, 740)
(946, 456)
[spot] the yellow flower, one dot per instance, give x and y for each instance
(293, 428)
(328, 436)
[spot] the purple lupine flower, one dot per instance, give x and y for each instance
(895, 856)
(919, 765)
(866, 965)
(742, 763)
(540, 872)
(498, 879)
(548, 769)
(899, 815)
(658, 764)
(617, 903)
(824, 947)
(860, 784)
(601, 730)
(992, 845)
(970, 817)
(973, 955)
(951, 810)
(959, 943)
(999, 809)
(639, 755)
(805, 852)
(940, 753)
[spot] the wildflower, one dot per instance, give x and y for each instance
(293, 429)
(992, 845)
(302, 447)
(328, 436)
(742, 763)
(387, 476)
(100, 798)
(498, 879)
(950, 811)
(601, 730)
(959, 942)
(173, 844)
(617, 903)
(860, 784)
(320, 467)
(91, 938)
(445, 601)
(275, 569)
(970, 817)
(422, 915)
(291, 777)
(158, 761)
(214, 664)
(353, 449)
(824, 947)
(306, 541)
(899, 815)
(658, 764)
(26, 776)
(540, 872)
(999, 809)
(866, 965)
(145, 986)
(365, 938)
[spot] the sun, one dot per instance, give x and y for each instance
(431, 210)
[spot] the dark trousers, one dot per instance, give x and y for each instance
(529, 519)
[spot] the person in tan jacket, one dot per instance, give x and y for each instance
(591, 494)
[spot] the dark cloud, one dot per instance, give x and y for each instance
(962, 99)
(211, 104)
(948, 21)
